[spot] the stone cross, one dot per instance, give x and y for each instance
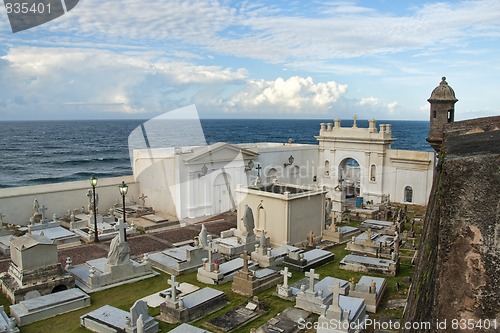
(174, 284)
(245, 258)
(143, 199)
(121, 227)
(258, 167)
(354, 124)
(43, 209)
(211, 248)
(286, 274)
(335, 289)
(311, 277)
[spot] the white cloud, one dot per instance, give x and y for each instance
(338, 30)
(368, 101)
(294, 95)
(93, 80)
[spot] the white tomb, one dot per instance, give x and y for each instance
(42, 307)
(116, 269)
(369, 288)
(344, 315)
(108, 319)
(186, 258)
(315, 295)
(223, 273)
(191, 306)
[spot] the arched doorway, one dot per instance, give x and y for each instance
(349, 177)
(223, 194)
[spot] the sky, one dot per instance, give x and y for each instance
(136, 59)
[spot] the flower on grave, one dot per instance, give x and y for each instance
(216, 261)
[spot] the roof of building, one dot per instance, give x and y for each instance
(443, 92)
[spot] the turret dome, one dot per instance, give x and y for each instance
(443, 93)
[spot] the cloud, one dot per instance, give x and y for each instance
(368, 101)
(79, 81)
(294, 95)
(265, 32)
(75, 81)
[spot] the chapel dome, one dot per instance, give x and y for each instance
(443, 92)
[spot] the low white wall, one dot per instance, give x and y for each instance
(17, 203)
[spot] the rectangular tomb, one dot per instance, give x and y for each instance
(38, 308)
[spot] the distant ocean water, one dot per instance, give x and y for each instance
(44, 152)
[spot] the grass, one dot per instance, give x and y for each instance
(124, 296)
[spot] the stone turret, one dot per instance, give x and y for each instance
(442, 111)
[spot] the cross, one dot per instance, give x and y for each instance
(121, 227)
(174, 284)
(245, 258)
(1, 217)
(211, 248)
(43, 209)
(311, 277)
(143, 199)
(354, 124)
(335, 289)
(258, 167)
(286, 274)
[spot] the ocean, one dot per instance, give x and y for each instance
(44, 152)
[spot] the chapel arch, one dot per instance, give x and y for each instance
(327, 168)
(349, 177)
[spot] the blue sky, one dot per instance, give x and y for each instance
(252, 59)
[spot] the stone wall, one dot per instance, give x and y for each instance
(16, 203)
(458, 268)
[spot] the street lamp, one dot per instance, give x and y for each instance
(290, 161)
(93, 183)
(123, 191)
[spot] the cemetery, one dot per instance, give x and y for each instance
(230, 279)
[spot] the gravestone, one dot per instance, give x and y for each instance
(114, 270)
(110, 319)
(344, 314)
(250, 282)
(315, 295)
(284, 290)
(366, 264)
(371, 289)
(191, 306)
(34, 266)
(42, 307)
(186, 258)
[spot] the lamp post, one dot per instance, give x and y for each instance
(123, 191)
(93, 183)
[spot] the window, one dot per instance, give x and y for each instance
(373, 173)
(327, 168)
(408, 194)
(434, 114)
